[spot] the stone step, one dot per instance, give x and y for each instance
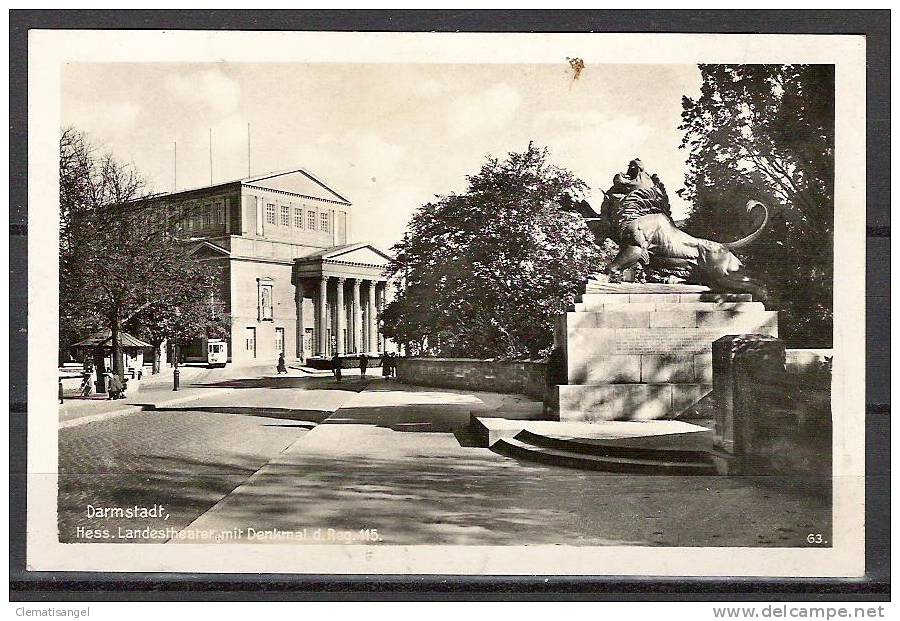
(665, 306)
(668, 434)
(602, 402)
(596, 295)
(514, 447)
(655, 319)
(583, 343)
(636, 450)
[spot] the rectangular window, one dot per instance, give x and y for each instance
(220, 212)
(206, 212)
(270, 213)
(285, 215)
(324, 221)
(311, 219)
(279, 340)
(298, 217)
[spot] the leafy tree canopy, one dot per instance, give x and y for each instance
(767, 132)
(484, 273)
(120, 261)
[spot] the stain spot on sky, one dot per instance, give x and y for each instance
(577, 66)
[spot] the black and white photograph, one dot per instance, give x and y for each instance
(573, 310)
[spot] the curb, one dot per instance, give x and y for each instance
(133, 409)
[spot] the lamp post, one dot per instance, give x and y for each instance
(176, 373)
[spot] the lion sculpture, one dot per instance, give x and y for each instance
(635, 214)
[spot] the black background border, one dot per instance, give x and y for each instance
(87, 586)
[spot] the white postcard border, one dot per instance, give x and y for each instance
(48, 50)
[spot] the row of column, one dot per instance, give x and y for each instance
(373, 305)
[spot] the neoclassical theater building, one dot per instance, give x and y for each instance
(292, 280)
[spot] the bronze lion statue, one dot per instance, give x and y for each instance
(654, 239)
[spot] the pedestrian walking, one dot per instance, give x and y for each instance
(336, 367)
(393, 364)
(363, 364)
(87, 379)
(386, 365)
(282, 366)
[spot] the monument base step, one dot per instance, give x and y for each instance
(676, 448)
(605, 402)
(487, 430)
(642, 288)
(679, 317)
(597, 295)
(574, 456)
(665, 306)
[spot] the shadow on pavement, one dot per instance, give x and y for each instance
(313, 417)
(186, 487)
(415, 418)
(480, 499)
(350, 384)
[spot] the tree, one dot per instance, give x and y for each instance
(190, 308)
(484, 274)
(120, 260)
(767, 132)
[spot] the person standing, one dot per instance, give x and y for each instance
(115, 390)
(393, 364)
(282, 366)
(363, 364)
(386, 365)
(336, 367)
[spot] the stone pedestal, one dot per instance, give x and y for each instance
(744, 367)
(644, 351)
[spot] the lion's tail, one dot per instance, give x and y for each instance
(751, 205)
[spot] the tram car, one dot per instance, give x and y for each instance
(216, 352)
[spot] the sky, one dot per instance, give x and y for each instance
(387, 136)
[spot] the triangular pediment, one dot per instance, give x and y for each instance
(364, 254)
(207, 250)
(299, 182)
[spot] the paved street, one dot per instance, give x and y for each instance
(185, 457)
(299, 454)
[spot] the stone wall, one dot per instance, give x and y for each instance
(526, 378)
(773, 408)
(349, 361)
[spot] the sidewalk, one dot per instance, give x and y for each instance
(82, 411)
(396, 461)
(152, 390)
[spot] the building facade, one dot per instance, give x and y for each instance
(292, 280)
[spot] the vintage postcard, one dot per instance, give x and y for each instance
(481, 304)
